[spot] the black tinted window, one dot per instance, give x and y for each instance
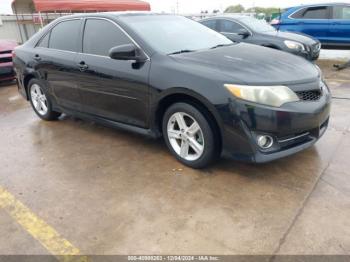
(299, 14)
(65, 35)
(210, 23)
(341, 12)
(320, 12)
(101, 35)
(44, 42)
(229, 27)
(167, 34)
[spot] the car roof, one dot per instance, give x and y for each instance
(318, 4)
(112, 14)
(229, 16)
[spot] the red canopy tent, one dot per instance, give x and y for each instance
(29, 13)
(86, 5)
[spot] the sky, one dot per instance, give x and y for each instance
(196, 6)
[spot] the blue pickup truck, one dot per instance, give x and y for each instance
(329, 23)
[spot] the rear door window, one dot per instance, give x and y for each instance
(341, 12)
(227, 26)
(65, 36)
(101, 35)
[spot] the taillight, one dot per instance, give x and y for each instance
(275, 22)
(13, 54)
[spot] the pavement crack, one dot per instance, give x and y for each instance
(334, 187)
(297, 215)
(301, 209)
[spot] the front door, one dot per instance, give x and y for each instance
(231, 30)
(113, 89)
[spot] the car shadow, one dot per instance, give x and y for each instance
(138, 152)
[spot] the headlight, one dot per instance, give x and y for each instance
(320, 72)
(266, 95)
(294, 45)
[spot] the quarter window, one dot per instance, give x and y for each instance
(341, 12)
(44, 42)
(230, 27)
(65, 35)
(101, 35)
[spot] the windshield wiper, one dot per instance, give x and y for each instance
(181, 52)
(221, 45)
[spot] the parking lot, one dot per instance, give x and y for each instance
(76, 187)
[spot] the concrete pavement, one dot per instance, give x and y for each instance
(112, 192)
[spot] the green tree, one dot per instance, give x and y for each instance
(234, 9)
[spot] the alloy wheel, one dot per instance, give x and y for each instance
(39, 99)
(185, 136)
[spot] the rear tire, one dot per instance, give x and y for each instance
(189, 136)
(40, 100)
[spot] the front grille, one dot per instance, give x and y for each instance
(5, 59)
(6, 52)
(294, 140)
(312, 95)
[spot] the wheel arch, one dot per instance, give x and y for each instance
(26, 81)
(184, 95)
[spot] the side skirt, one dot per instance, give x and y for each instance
(110, 123)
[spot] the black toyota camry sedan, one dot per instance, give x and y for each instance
(251, 30)
(165, 75)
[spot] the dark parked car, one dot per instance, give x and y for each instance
(251, 30)
(6, 66)
(329, 23)
(168, 75)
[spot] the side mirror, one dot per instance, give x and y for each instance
(127, 52)
(243, 32)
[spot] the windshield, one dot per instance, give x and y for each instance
(170, 34)
(257, 25)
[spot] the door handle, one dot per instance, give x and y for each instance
(83, 66)
(37, 57)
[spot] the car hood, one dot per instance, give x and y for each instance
(250, 64)
(6, 45)
(304, 39)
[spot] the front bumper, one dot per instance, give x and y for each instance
(6, 71)
(293, 127)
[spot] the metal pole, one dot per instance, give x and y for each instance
(19, 27)
(41, 20)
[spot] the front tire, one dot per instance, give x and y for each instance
(40, 101)
(189, 136)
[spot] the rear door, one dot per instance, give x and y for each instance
(55, 60)
(313, 21)
(340, 25)
(113, 89)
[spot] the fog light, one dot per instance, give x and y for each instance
(265, 142)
